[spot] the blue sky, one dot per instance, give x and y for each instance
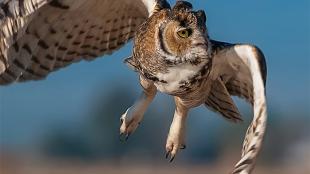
(280, 28)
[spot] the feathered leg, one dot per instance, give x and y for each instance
(133, 116)
(176, 136)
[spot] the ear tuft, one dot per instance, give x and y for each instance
(202, 15)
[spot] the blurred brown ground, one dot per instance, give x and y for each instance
(11, 164)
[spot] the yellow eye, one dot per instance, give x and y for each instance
(184, 33)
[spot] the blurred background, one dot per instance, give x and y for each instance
(69, 123)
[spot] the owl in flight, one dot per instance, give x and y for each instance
(172, 53)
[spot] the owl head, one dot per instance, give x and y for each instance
(183, 35)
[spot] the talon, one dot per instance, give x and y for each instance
(172, 158)
(127, 136)
(122, 137)
(183, 147)
(167, 155)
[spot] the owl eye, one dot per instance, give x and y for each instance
(184, 33)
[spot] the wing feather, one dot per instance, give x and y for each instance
(243, 70)
(41, 36)
(219, 100)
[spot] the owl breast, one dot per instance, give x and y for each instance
(181, 78)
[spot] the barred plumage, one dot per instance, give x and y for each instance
(172, 53)
(38, 36)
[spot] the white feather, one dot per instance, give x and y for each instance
(150, 5)
(175, 75)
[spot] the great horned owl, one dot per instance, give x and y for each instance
(172, 53)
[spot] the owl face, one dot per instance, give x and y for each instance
(184, 34)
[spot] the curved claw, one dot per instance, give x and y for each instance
(168, 153)
(127, 136)
(123, 137)
(183, 147)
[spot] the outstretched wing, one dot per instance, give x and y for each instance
(41, 36)
(242, 68)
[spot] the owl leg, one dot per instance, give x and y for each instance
(176, 136)
(131, 119)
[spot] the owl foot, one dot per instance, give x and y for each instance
(175, 141)
(176, 136)
(129, 122)
(131, 119)
(170, 154)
